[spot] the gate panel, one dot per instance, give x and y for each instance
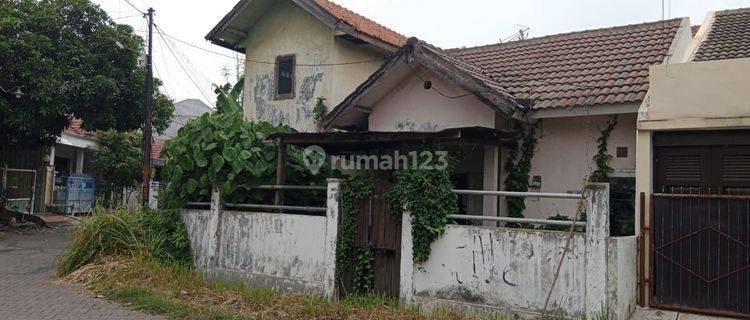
(379, 230)
(701, 253)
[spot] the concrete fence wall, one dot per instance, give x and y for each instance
(288, 252)
(511, 270)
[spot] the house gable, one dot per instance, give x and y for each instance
(325, 66)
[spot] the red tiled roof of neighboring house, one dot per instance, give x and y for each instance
(593, 67)
(157, 147)
(362, 24)
(76, 128)
(695, 29)
(728, 36)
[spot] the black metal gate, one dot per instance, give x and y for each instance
(700, 253)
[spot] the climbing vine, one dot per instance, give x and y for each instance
(602, 157)
(364, 271)
(428, 196)
(320, 110)
(355, 189)
(518, 167)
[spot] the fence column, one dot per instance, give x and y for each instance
(597, 232)
(332, 225)
(406, 293)
(214, 227)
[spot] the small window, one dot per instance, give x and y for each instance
(285, 77)
(622, 152)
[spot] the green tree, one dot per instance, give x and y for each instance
(69, 60)
(119, 159)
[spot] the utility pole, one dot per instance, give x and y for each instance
(148, 111)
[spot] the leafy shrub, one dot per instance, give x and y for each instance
(121, 232)
(224, 150)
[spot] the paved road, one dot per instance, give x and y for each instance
(26, 290)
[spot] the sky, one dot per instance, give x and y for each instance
(189, 72)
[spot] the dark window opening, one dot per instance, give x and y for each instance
(285, 77)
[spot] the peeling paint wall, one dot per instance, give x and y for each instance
(503, 267)
(484, 269)
(289, 29)
(409, 107)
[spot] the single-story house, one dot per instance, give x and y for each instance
(570, 84)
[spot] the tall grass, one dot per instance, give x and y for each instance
(121, 232)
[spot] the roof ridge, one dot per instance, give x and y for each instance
(737, 10)
(565, 34)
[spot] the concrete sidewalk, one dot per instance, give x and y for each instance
(27, 263)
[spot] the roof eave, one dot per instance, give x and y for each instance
(310, 6)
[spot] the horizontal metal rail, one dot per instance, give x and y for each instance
(263, 206)
(703, 196)
(520, 194)
(277, 187)
(19, 199)
(519, 220)
(20, 170)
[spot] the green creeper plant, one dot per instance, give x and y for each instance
(355, 189)
(364, 271)
(428, 196)
(602, 156)
(320, 110)
(518, 167)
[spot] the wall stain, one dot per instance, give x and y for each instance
(410, 125)
(297, 113)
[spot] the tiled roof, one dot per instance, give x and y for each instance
(594, 67)
(362, 24)
(76, 128)
(695, 29)
(470, 68)
(156, 148)
(728, 37)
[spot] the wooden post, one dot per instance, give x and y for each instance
(280, 172)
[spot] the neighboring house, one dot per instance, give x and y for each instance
(289, 48)
(693, 170)
(183, 111)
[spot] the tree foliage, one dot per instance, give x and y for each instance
(70, 60)
(119, 159)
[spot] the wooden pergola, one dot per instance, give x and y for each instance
(339, 142)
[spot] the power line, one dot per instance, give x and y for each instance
(158, 31)
(273, 62)
(134, 7)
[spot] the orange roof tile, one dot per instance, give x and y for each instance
(362, 24)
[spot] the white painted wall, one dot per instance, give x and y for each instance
(564, 153)
(409, 107)
(698, 95)
(289, 29)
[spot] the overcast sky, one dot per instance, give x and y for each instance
(445, 23)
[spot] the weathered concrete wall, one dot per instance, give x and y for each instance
(623, 276)
(564, 153)
(409, 107)
(289, 29)
(286, 252)
(480, 269)
(505, 268)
